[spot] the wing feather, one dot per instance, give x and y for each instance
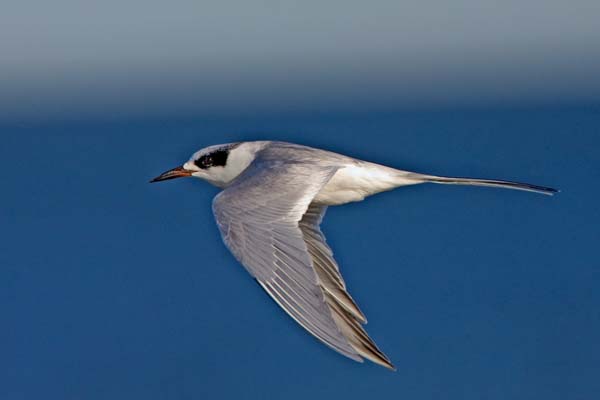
(345, 312)
(258, 218)
(267, 221)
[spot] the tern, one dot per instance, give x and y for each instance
(274, 198)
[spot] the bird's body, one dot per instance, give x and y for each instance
(275, 196)
(353, 181)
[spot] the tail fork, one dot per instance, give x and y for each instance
(489, 182)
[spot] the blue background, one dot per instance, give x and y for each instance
(112, 288)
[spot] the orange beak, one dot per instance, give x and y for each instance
(178, 172)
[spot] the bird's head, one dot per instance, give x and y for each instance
(219, 164)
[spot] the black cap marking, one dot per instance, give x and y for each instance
(217, 158)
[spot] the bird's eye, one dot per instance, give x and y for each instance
(215, 159)
(204, 162)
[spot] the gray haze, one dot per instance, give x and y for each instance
(127, 57)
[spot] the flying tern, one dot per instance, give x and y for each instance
(274, 197)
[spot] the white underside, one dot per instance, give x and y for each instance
(357, 181)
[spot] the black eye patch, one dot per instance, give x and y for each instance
(215, 159)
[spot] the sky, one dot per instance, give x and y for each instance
(112, 288)
(75, 59)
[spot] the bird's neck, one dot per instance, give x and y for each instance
(240, 157)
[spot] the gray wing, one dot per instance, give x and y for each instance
(260, 217)
(345, 312)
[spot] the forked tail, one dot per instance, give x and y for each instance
(489, 182)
